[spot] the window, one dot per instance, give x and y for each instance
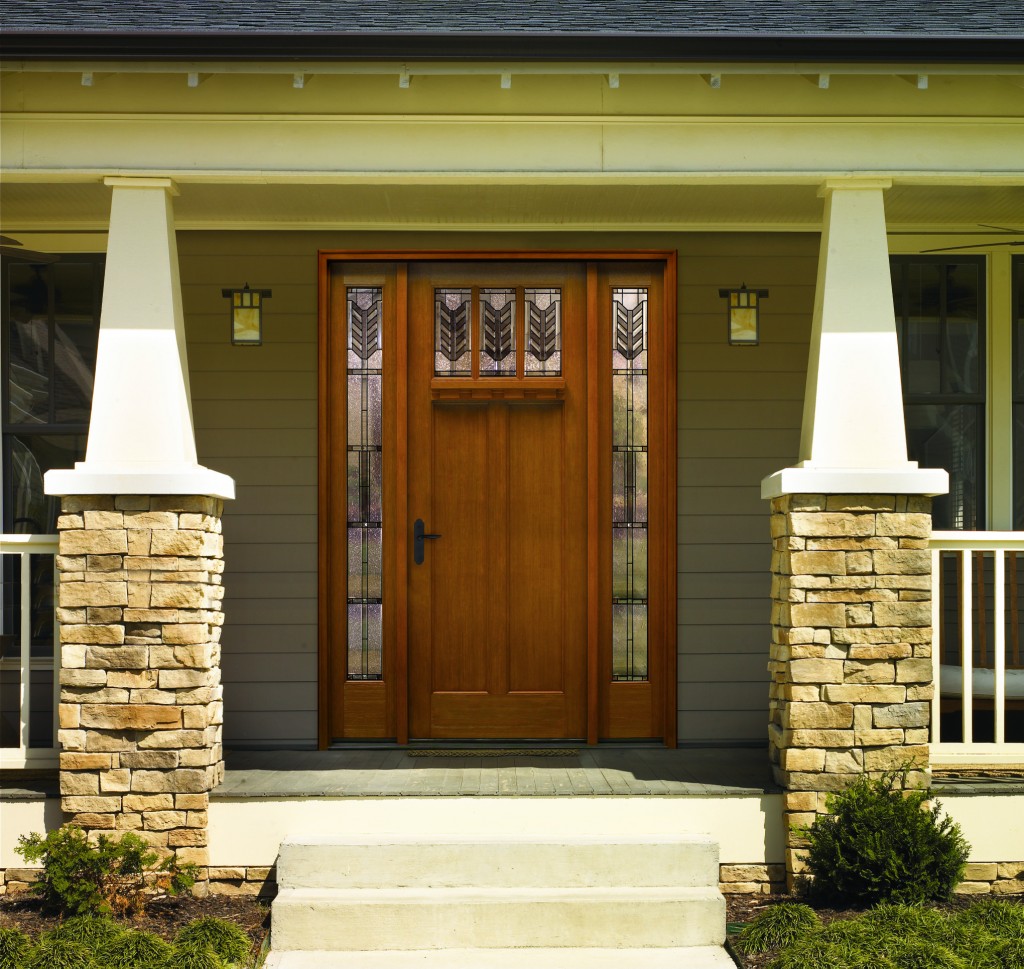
(940, 322)
(51, 317)
(1018, 392)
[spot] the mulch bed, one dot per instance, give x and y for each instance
(163, 917)
(745, 908)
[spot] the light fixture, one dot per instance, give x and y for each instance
(246, 314)
(743, 309)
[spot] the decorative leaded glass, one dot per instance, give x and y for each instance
(452, 340)
(365, 482)
(497, 332)
(544, 332)
(629, 484)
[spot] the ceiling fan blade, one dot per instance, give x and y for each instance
(27, 255)
(976, 245)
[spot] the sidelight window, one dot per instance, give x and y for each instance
(365, 483)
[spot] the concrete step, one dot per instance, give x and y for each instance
(500, 862)
(467, 918)
(695, 957)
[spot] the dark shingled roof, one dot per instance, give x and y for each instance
(885, 30)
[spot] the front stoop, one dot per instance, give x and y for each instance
(394, 902)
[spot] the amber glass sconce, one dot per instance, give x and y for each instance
(246, 314)
(743, 314)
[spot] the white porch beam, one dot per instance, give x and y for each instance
(141, 439)
(853, 437)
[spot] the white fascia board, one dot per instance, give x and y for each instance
(855, 481)
(180, 481)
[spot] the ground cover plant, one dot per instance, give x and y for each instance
(97, 942)
(987, 934)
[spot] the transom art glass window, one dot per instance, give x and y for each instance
(629, 484)
(365, 483)
(504, 344)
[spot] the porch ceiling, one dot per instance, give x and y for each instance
(515, 202)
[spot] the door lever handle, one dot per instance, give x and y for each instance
(419, 535)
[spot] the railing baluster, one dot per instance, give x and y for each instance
(999, 642)
(25, 692)
(967, 647)
(936, 642)
(24, 754)
(56, 653)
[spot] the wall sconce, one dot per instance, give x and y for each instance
(246, 314)
(743, 314)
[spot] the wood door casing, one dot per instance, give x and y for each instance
(550, 675)
(497, 614)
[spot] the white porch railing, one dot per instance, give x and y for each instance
(977, 648)
(21, 661)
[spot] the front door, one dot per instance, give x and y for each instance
(497, 471)
(497, 497)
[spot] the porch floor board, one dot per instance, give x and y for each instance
(594, 771)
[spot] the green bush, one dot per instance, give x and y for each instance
(778, 926)
(196, 954)
(995, 915)
(14, 946)
(138, 950)
(882, 844)
(1011, 953)
(53, 952)
(80, 877)
(224, 938)
(95, 931)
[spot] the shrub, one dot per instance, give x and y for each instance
(14, 946)
(95, 931)
(881, 844)
(922, 954)
(997, 916)
(80, 877)
(224, 938)
(53, 952)
(778, 926)
(1011, 953)
(195, 954)
(138, 950)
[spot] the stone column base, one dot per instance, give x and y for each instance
(140, 706)
(851, 647)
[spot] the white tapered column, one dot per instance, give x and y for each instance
(853, 439)
(141, 439)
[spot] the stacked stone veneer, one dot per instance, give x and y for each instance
(141, 710)
(850, 660)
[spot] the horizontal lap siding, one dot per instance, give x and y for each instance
(255, 414)
(739, 420)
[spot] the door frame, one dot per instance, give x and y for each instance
(391, 693)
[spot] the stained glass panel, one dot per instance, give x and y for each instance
(364, 482)
(497, 333)
(543, 332)
(453, 356)
(629, 484)
(629, 641)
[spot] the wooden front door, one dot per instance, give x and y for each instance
(497, 497)
(497, 469)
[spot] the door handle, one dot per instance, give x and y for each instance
(419, 535)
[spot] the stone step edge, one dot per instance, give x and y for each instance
(470, 895)
(401, 840)
(692, 957)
